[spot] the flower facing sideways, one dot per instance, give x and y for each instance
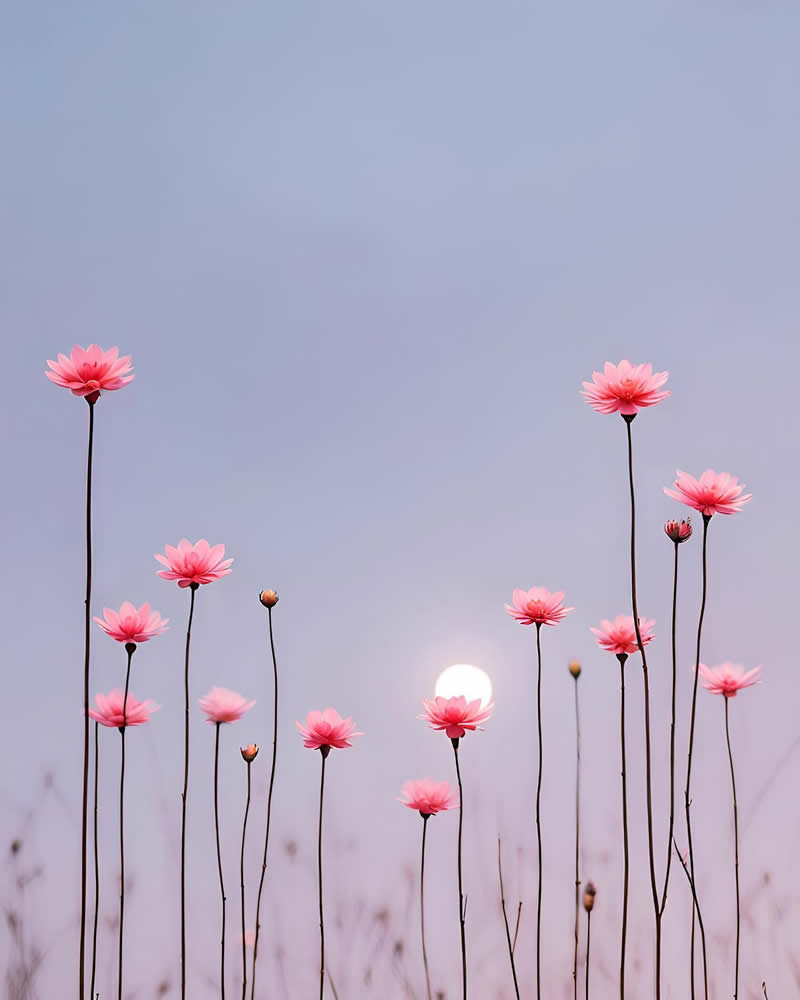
(537, 606)
(712, 493)
(222, 705)
(728, 678)
(131, 624)
(456, 715)
(327, 729)
(90, 372)
(619, 636)
(625, 388)
(192, 565)
(429, 797)
(109, 710)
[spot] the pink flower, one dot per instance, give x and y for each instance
(455, 715)
(679, 531)
(222, 705)
(728, 678)
(538, 606)
(327, 729)
(619, 636)
(130, 624)
(713, 493)
(428, 797)
(624, 388)
(109, 710)
(88, 372)
(193, 564)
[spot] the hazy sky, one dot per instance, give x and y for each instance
(363, 256)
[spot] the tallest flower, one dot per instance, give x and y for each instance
(92, 371)
(625, 388)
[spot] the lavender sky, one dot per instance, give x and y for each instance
(363, 256)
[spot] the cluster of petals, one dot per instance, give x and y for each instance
(132, 624)
(109, 710)
(327, 729)
(619, 636)
(92, 371)
(712, 493)
(728, 678)
(428, 797)
(222, 705)
(625, 388)
(537, 606)
(678, 531)
(455, 715)
(193, 564)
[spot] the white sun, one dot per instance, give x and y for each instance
(463, 678)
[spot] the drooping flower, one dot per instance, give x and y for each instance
(92, 371)
(678, 531)
(222, 705)
(428, 797)
(619, 636)
(712, 493)
(193, 564)
(455, 715)
(109, 709)
(728, 678)
(131, 624)
(327, 729)
(625, 388)
(538, 606)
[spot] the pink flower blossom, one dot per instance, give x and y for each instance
(538, 606)
(87, 373)
(109, 709)
(193, 564)
(625, 388)
(455, 715)
(327, 729)
(428, 797)
(728, 678)
(678, 531)
(131, 624)
(619, 636)
(222, 705)
(713, 493)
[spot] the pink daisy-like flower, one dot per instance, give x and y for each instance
(728, 678)
(625, 388)
(428, 797)
(131, 624)
(90, 372)
(109, 710)
(619, 637)
(455, 715)
(193, 564)
(327, 729)
(712, 493)
(222, 705)
(538, 606)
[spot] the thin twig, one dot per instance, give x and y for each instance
(130, 649)
(241, 876)
(577, 839)
(193, 589)
(736, 849)
(325, 750)
(462, 909)
(672, 730)
(425, 819)
(538, 812)
(505, 918)
(96, 859)
(622, 657)
(219, 862)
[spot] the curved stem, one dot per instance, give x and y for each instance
(86, 647)
(539, 810)
(324, 751)
(736, 849)
(269, 800)
(130, 649)
(672, 731)
(422, 907)
(505, 920)
(577, 840)
(461, 907)
(219, 862)
(622, 657)
(696, 909)
(96, 861)
(588, 946)
(241, 874)
(193, 589)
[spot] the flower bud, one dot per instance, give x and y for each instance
(268, 598)
(679, 531)
(588, 896)
(249, 753)
(575, 668)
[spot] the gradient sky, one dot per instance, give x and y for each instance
(363, 256)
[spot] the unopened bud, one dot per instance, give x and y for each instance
(249, 753)
(679, 531)
(575, 668)
(588, 896)
(268, 598)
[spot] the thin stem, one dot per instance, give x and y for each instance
(672, 730)
(193, 589)
(130, 649)
(241, 874)
(736, 849)
(648, 762)
(687, 793)
(505, 920)
(588, 946)
(622, 657)
(694, 897)
(96, 859)
(516, 927)
(577, 840)
(539, 810)
(425, 819)
(219, 861)
(269, 800)
(461, 908)
(86, 647)
(324, 751)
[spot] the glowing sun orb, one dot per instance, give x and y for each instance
(463, 678)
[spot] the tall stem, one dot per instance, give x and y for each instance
(86, 646)
(505, 919)
(325, 750)
(668, 865)
(96, 860)
(736, 849)
(461, 907)
(696, 909)
(130, 649)
(425, 819)
(588, 946)
(539, 810)
(687, 794)
(648, 763)
(577, 840)
(219, 861)
(193, 588)
(241, 875)
(269, 799)
(622, 657)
